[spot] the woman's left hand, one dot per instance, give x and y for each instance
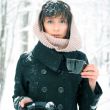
(92, 73)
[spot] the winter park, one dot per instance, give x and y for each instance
(17, 36)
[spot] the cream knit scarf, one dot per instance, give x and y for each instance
(54, 43)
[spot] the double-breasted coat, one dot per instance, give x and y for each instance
(46, 75)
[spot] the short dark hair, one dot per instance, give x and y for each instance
(58, 8)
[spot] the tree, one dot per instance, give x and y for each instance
(7, 39)
(3, 8)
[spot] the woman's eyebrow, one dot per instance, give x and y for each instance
(48, 18)
(63, 19)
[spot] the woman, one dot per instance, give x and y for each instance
(55, 70)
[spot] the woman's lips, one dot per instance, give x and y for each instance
(57, 36)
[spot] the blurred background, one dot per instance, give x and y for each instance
(17, 18)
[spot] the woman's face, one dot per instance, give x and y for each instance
(56, 26)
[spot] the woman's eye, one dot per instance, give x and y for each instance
(50, 21)
(63, 21)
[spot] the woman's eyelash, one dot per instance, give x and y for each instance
(62, 21)
(49, 21)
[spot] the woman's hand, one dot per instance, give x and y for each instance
(24, 101)
(92, 73)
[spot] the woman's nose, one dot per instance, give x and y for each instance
(56, 27)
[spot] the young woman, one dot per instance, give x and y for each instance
(55, 70)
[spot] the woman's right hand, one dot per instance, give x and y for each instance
(24, 101)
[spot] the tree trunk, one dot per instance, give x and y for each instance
(3, 7)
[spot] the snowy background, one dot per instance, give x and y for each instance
(17, 17)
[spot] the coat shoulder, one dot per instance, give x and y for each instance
(26, 58)
(80, 55)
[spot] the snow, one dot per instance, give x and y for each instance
(91, 18)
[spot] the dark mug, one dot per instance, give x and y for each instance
(75, 66)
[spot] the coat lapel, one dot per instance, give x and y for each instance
(47, 56)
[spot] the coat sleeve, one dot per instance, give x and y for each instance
(19, 90)
(88, 99)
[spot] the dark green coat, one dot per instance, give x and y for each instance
(43, 75)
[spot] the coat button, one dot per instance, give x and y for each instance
(60, 89)
(44, 89)
(43, 71)
(60, 107)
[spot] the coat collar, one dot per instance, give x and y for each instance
(47, 56)
(52, 59)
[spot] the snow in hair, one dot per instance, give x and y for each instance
(51, 8)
